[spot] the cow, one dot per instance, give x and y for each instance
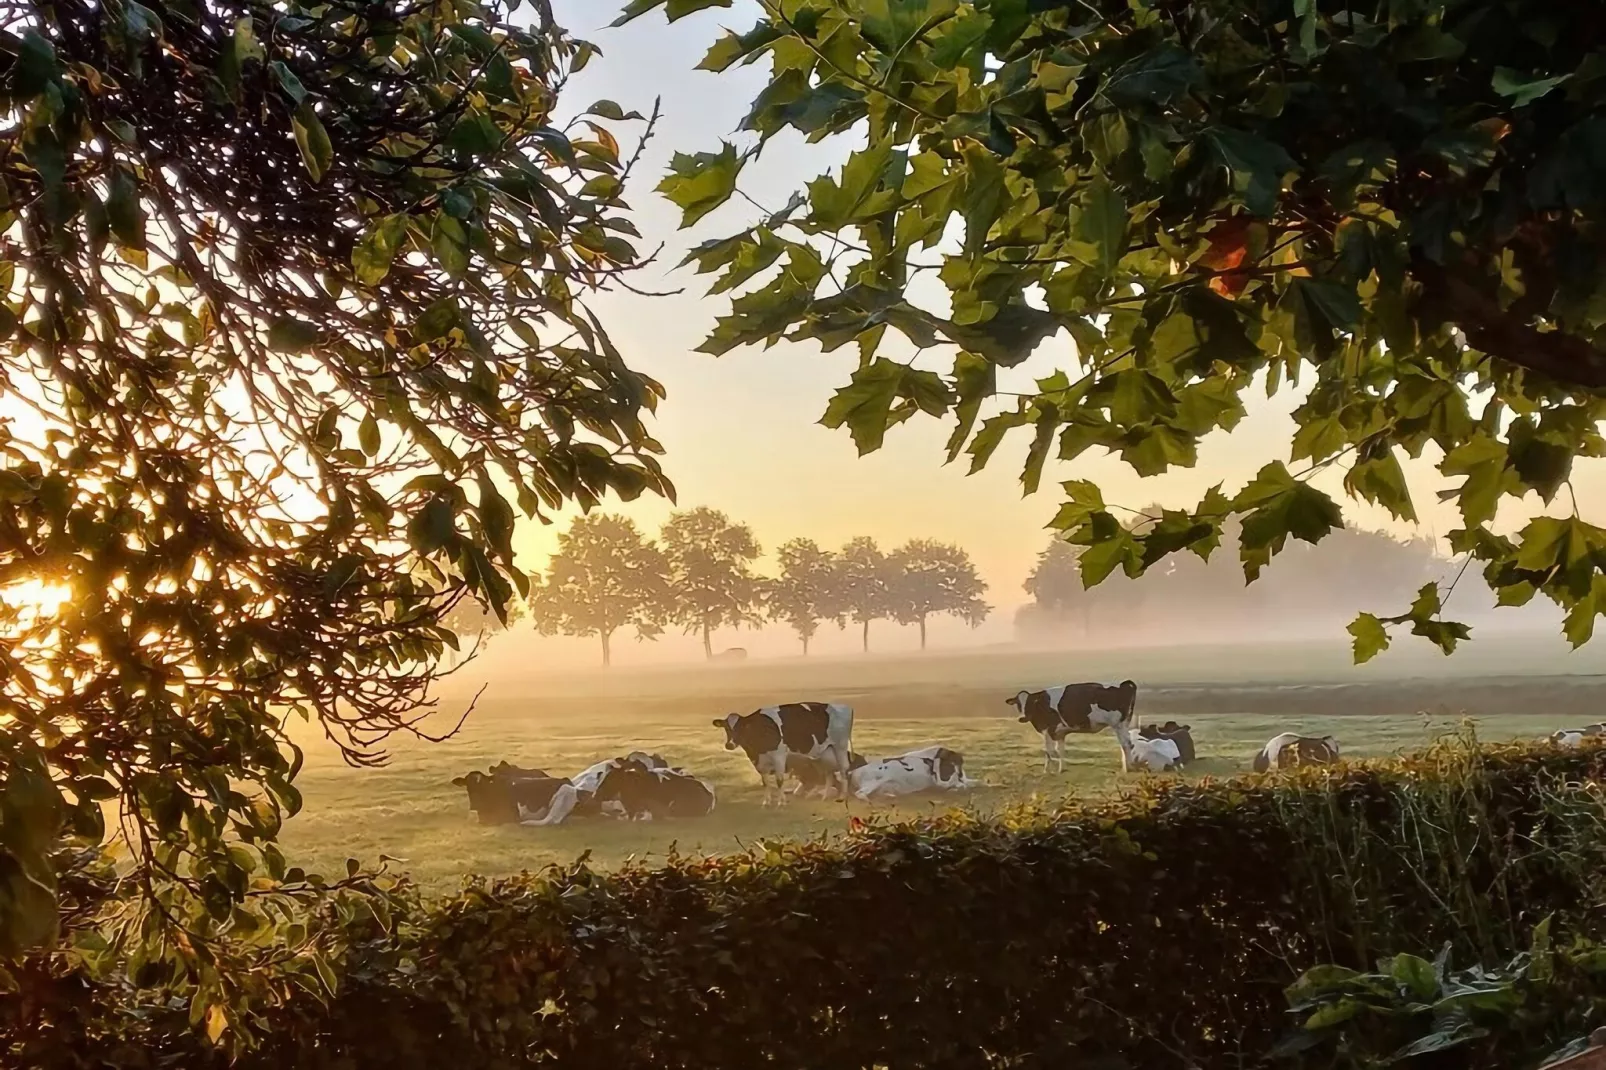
(814, 776)
(1291, 749)
(1158, 755)
(820, 730)
(926, 769)
(589, 781)
(1180, 734)
(642, 794)
(1574, 737)
(532, 800)
(735, 653)
(1056, 712)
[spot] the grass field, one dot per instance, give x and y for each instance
(410, 810)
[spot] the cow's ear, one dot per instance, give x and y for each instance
(460, 781)
(719, 722)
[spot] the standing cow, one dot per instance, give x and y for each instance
(1056, 712)
(819, 730)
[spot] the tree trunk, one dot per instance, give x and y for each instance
(805, 639)
(922, 631)
(867, 635)
(708, 642)
(607, 648)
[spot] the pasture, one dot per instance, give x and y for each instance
(410, 810)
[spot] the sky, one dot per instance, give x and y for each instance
(741, 431)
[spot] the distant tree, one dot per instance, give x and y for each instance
(605, 576)
(711, 578)
(863, 584)
(926, 577)
(806, 591)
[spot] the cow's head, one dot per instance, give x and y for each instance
(729, 723)
(1019, 702)
(645, 760)
(488, 797)
(1331, 742)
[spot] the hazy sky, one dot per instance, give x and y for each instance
(741, 430)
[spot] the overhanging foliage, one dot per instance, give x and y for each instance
(1395, 206)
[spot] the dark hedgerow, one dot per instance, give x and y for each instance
(1158, 930)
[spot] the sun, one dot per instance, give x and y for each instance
(35, 599)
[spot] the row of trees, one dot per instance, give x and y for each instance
(700, 575)
(1323, 584)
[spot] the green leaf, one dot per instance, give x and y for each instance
(1415, 976)
(372, 256)
(449, 239)
(123, 210)
(1381, 481)
(1257, 167)
(496, 518)
(1522, 90)
(1335, 1013)
(1083, 499)
(288, 335)
(745, 47)
(1101, 224)
(368, 435)
(864, 404)
(1279, 507)
(288, 82)
(433, 527)
(316, 151)
(1158, 76)
(985, 196)
(37, 65)
(700, 183)
(1371, 637)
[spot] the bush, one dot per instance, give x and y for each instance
(1153, 931)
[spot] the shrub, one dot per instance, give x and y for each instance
(1155, 930)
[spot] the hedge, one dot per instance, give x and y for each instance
(1156, 930)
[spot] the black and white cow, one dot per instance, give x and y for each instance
(1056, 712)
(1180, 734)
(1574, 737)
(642, 794)
(502, 799)
(1291, 749)
(818, 730)
(927, 769)
(589, 781)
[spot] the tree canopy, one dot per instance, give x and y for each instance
(605, 576)
(805, 590)
(864, 584)
(292, 301)
(927, 577)
(1394, 207)
(711, 579)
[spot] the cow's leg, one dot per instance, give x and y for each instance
(778, 770)
(1048, 749)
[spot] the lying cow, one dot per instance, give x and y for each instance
(1180, 734)
(814, 776)
(927, 769)
(498, 798)
(818, 730)
(1056, 712)
(642, 794)
(1159, 755)
(589, 781)
(1574, 737)
(1291, 749)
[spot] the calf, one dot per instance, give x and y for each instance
(818, 730)
(1056, 712)
(503, 799)
(1291, 749)
(813, 776)
(1158, 755)
(1180, 734)
(1574, 737)
(648, 794)
(927, 769)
